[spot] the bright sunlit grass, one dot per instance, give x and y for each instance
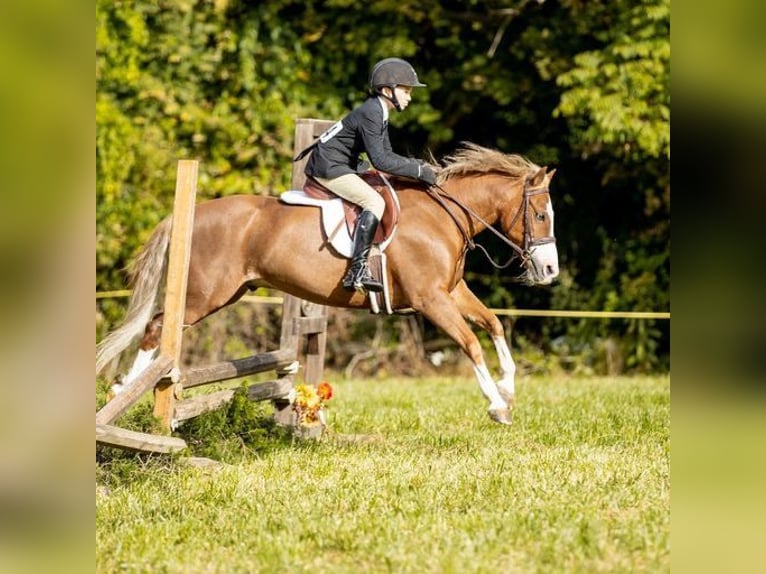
(416, 478)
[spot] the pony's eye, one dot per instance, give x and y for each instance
(540, 216)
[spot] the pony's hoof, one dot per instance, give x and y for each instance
(507, 396)
(502, 416)
(116, 388)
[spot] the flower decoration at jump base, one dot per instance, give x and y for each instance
(309, 403)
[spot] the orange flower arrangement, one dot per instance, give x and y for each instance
(324, 390)
(310, 401)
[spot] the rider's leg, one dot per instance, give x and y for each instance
(359, 276)
(353, 188)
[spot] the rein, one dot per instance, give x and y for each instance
(439, 197)
(523, 252)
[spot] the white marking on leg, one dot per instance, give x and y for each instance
(143, 360)
(488, 387)
(507, 383)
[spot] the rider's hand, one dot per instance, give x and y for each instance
(427, 174)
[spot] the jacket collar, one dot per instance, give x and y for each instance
(385, 108)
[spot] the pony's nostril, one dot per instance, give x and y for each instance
(550, 270)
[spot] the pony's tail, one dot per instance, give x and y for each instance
(146, 275)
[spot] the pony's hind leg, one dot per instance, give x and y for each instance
(147, 349)
(197, 308)
(476, 312)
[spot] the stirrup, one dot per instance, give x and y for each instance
(352, 280)
(365, 281)
(360, 279)
(369, 283)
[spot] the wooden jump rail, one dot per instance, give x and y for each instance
(300, 319)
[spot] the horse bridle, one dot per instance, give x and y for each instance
(524, 252)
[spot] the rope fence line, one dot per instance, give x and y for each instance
(582, 314)
(506, 312)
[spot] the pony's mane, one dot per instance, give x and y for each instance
(474, 159)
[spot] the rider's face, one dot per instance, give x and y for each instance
(403, 95)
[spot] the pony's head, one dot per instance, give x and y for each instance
(539, 254)
(522, 204)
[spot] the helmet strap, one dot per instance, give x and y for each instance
(392, 98)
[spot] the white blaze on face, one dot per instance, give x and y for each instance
(546, 257)
(549, 213)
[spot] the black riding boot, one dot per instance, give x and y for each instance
(358, 276)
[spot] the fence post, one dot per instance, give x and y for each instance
(175, 291)
(295, 311)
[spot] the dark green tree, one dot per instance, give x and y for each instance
(580, 86)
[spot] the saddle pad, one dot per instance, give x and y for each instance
(333, 219)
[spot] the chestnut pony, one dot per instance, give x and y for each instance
(241, 242)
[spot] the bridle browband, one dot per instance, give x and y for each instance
(524, 252)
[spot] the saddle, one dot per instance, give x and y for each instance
(336, 211)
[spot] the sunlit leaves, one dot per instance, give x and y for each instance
(618, 97)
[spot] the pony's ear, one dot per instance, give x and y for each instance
(549, 176)
(538, 179)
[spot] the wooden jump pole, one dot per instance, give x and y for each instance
(138, 441)
(175, 290)
(112, 410)
(168, 359)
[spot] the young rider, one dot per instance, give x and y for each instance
(335, 159)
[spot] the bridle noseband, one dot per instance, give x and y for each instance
(524, 251)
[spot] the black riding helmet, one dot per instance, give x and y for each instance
(393, 72)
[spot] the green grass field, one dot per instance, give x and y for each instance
(415, 478)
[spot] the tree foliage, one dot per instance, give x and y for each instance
(617, 96)
(581, 86)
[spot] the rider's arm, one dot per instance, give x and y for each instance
(374, 134)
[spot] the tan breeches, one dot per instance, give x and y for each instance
(356, 190)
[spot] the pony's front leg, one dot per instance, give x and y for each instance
(477, 313)
(506, 385)
(441, 310)
(499, 409)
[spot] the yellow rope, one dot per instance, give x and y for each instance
(508, 312)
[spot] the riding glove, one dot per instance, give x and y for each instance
(427, 174)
